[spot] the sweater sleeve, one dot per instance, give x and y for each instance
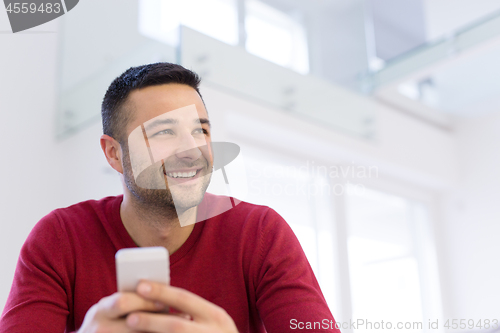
(38, 300)
(288, 295)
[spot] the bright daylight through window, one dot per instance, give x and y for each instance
(389, 252)
(276, 36)
(270, 34)
(160, 19)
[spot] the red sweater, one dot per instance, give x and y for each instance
(246, 260)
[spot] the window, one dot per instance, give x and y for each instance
(304, 201)
(159, 19)
(276, 36)
(270, 33)
(389, 262)
(386, 263)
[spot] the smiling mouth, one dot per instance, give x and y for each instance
(182, 174)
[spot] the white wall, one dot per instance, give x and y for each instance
(29, 156)
(38, 173)
(472, 223)
(470, 211)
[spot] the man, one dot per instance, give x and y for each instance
(234, 268)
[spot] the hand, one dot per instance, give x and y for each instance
(206, 317)
(108, 315)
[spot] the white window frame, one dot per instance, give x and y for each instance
(342, 307)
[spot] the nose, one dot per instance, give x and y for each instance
(188, 148)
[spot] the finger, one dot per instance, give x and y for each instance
(156, 323)
(117, 326)
(181, 315)
(180, 299)
(120, 304)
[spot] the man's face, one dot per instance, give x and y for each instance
(167, 159)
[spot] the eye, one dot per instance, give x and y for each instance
(163, 132)
(200, 130)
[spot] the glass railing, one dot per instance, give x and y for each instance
(80, 105)
(92, 59)
(307, 97)
(433, 53)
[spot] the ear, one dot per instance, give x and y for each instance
(113, 152)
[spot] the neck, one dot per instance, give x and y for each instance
(154, 228)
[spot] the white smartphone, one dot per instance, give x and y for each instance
(135, 264)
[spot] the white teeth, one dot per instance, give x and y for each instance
(181, 174)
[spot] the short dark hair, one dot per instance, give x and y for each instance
(114, 116)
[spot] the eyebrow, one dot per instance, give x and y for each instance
(159, 122)
(203, 121)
